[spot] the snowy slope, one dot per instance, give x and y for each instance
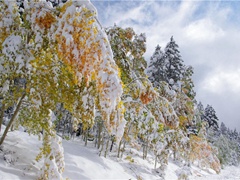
(228, 173)
(17, 156)
(17, 161)
(84, 163)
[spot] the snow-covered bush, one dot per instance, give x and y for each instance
(53, 153)
(203, 155)
(183, 173)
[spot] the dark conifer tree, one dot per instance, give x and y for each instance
(156, 69)
(211, 118)
(173, 63)
(223, 129)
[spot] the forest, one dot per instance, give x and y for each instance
(64, 76)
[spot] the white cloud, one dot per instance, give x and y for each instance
(203, 30)
(222, 81)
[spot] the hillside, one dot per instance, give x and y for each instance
(17, 161)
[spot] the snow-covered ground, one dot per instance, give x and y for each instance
(17, 161)
(230, 173)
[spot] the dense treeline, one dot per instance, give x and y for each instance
(63, 75)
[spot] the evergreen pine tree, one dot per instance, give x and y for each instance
(173, 63)
(223, 129)
(187, 83)
(211, 118)
(235, 134)
(167, 66)
(156, 69)
(198, 115)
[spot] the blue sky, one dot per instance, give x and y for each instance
(208, 35)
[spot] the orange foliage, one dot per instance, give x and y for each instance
(6, 28)
(83, 41)
(45, 21)
(147, 97)
(129, 34)
(203, 153)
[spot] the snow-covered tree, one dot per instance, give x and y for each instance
(15, 57)
(128, 49)
(173, 63)
(235, 134)
(223, 129)
(138, 49)
(146, 108)
(203, 154)
(228, 150)
(187, 84)
(72, 57)
(174, 82)
(53, 154)
(156, 70)
(51, 55)
(211, 118)
(168, 66)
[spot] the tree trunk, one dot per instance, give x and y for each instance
(58, 125)
(111, 147)
(119, 148)
(100, 126)
(64, 127)
(123, 149)
(95, 130)
(102, 143)
(59, 112)
(174, 154)
(155, 164)
(145, 149)
(95, 139)
(86, 136)
(144, 146)
(12, 127)
(127, 133)
(1, 116)
(105, 154)
(12, 119)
